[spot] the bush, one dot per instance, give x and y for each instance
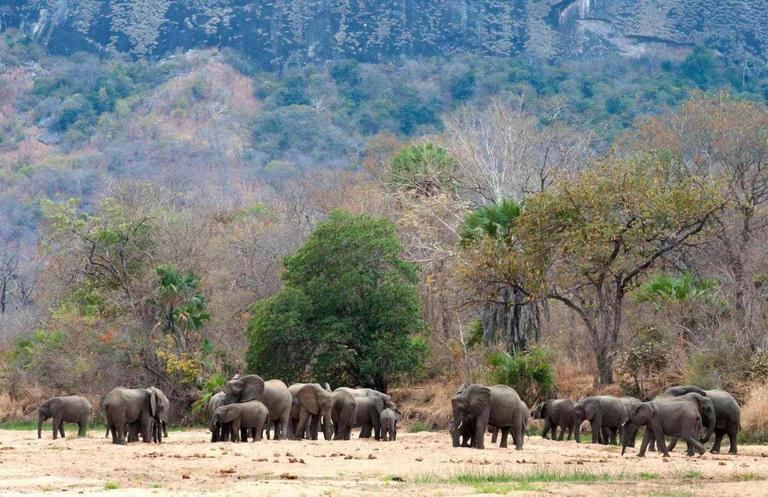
(530, 373)
(754, 422)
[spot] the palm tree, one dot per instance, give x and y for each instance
(182, 306)
(505, 317)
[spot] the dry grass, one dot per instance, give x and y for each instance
(428, 403)
(753, 419)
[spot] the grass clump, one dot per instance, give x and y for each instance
(541, 476)
(692, 475)
(110, 485)
(645, 475)
(419, 426)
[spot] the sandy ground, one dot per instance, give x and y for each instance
(416, 464)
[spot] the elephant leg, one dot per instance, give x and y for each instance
(733, 435)
(481, 426)
(658, 434)
(314, 425)
(81, 428)
(614, 436)
(547, 428)
(562, 434)
(718, 440)
(55, 422)
(302, 424)
(494, 435)
(504, 436)
(596, 429)
(234, 431)
(672, 443)
(693, 444)
(61, 428)
(376, 430)
(647, 439)
(394, 433)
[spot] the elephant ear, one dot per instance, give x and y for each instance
(152, 391)
(307, 398)
(479, 398)
(252, 388)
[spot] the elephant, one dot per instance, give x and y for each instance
(605, 413)
(311, 404)
(677, 418)
(556, 413)
(363, 393)
(243, 389)
(389, 418)
(706, 410)
(727, 414)
(479, 406)
(222, 433)
(68, 409)
(466, 432)
(369, 415)
(126, 406)
(243, 417)
(278, 400)
(343, 415)
(160, 430)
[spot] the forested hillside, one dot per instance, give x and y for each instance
(564, 196)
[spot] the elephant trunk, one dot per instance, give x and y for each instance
(40, 419)
(455, 434)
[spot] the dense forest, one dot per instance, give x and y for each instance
(562, 223)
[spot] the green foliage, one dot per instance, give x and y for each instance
(419, 426)
(349, 313)
(493, 221)
(214, 384)
(647, 354)
(424, 169)
(182, 305)
(530, 372)
(667, 288)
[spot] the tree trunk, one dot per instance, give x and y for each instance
(507, 320)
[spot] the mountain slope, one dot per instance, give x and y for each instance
(278, 32)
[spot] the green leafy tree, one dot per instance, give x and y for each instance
(350, 310)
(423, 169)
(183, 308)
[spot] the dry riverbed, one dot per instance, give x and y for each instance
(416, 464)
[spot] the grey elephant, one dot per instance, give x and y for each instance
(222, 431)
(160, 427)
(312, 404)
(606, 415)
(128, 406)
(556, 413)
(727, 414)
(367, 426)
(243, 389)
(389, 418)
(343, 415)
(664, 417)
(368, 417)
(243, 418)
(479, 406)
(278, 400)
(706, 410)
(67, 409)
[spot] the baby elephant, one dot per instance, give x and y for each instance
(70, 409)
(389, 419)
(245, 416)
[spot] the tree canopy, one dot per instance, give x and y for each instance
(349, 312)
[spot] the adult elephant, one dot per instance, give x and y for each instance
(67, 409)
(368, 415)
(278, 400)
(556, 413)
(606, 415)
(663, 417)
(243, 389)
(367, 393)
(133, 406)
(343, 415)
(160, 428)
(727, 414)
(313, 404)
(706, 410)
(479, 406)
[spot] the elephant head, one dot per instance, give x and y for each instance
(243, 389)
(43, 412)
(224, 414)
(160, 407)
(539, 411)
(471, 403)
(318, 402)
(638, 415)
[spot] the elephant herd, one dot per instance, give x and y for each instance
(683, 412)
(249, 406)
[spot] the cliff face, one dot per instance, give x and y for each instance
(296, 31)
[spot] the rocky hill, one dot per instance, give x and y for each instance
(279, 32)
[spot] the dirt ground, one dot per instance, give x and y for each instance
(416, 464)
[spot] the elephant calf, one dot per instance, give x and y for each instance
(389, 419)
(556, 413)
(245, 416)
(69, 409)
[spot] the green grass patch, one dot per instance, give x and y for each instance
(504, 488)
(672, 493)
(540, 476)
(110, 485)
(692, 475)
(749, 476)
(746, 437)
(644, 475)
(419, 426)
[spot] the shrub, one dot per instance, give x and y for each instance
(530, 373)
(753, 419)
